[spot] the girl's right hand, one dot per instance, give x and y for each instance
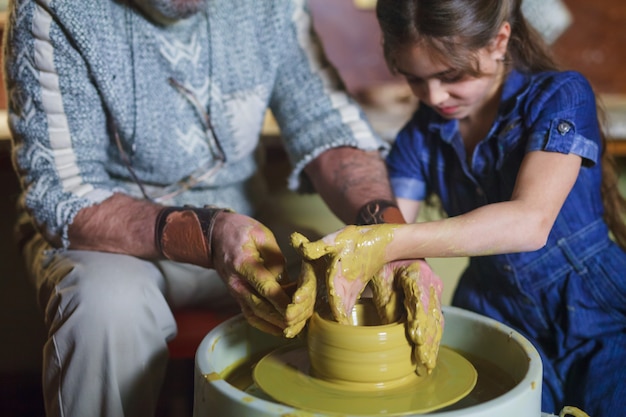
(422, 289)
(410, 289)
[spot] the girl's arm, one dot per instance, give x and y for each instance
(354, 254)
(521, 224)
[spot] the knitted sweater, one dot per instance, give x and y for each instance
(80, 72)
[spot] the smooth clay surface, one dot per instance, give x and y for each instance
(284, 375)
(364, 355)
(362, 368)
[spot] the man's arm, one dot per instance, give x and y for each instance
(242, 250)
(355, 185)
(120, 224)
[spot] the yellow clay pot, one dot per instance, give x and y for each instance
(364, 353)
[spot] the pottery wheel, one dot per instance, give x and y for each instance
(284, 375)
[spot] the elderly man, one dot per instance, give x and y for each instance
(135, 126)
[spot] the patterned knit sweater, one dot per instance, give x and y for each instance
(81, 72)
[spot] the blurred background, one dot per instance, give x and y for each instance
(585, 36)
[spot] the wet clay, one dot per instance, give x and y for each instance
(425, 321)
(421, 294)
(492, 381)
(363, 356)
(302, 300)
(358, 257)
(252, 250)
(359, 368)
(283, 375)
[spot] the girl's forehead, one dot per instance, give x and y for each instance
(419, 60)
(424, 60)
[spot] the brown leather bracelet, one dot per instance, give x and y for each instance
(379, 211)
(184, 234)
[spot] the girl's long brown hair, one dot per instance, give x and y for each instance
(453, 31)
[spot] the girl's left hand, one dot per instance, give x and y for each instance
(348, 260)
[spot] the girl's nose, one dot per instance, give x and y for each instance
(435, 94)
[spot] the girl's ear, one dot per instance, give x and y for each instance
(501, 42)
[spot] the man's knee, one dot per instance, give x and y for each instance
(111, 293)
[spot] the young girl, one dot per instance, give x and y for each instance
(513, 150)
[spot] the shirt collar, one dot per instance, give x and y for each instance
(515, 87)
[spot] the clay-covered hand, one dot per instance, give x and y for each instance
(304, 298)
(348, 261)
(421, 289)
(242, 250)
(248, 259)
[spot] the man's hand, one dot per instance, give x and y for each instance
(242, 250)
(248, 259)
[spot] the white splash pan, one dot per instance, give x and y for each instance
(234, 341)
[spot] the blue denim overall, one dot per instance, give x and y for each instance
(568, 298)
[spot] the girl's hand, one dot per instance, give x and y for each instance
(304, 298)
(411, 289)
(348, 260)
(421, 289)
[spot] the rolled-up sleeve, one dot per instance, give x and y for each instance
(407, 164)
(567, 121)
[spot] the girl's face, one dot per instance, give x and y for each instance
(449, 91)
